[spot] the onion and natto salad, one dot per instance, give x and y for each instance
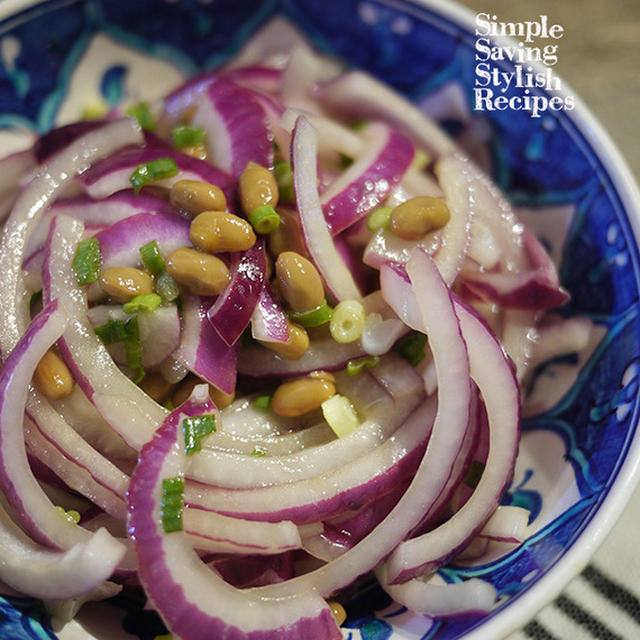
(260, 339)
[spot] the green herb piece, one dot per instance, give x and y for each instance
(355, 367)
(283, 174)
(411, 347)
(71, 515)
(379, 218)
(172, 504)
(264, 219)
(313, 317)
(168, 404)
(166, 287)
(143, 302)
(345, 161)
(113, 331)
(150, 171)
(359, 125)
(142, 114)
(133, 348)
(87, 261)
(195, 429)
(340, 415)
(186, 135)
(475, 473)
(152, 258)
(259, 452)
(262, 402)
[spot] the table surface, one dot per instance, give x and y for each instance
(599, 58)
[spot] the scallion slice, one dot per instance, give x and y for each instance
(264, 219)
(411, 347)
(195, 429)
(87, 261)
(142, 114)
(262, 402)
(313, 317)
(167, 288)
(340, 415)
(258, 452)
(172, 503)
(355, 367)
(152, 258)
(113, 331)
(379, 218)
(283, 174)
(154, 170)
(144, 302)
(186, 135)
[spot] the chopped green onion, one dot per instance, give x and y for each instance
(166, 287)
(262, 402)
(168, 404)
(379, 218)
(283, 174)
(195, 429)
(133, 348)
(264, 219)
(354, 367)
(258, 452)
(186, 135)
(313, 317)
(340, 415)
(142, 114)
(150, 171)
(143, 302)
(152, 258)
(475, 473)
(72, 515)
(172, 504)
(359, 125)
(113, 331)
(411, 347)
(164, 636)
(87, 261)
(347, 321)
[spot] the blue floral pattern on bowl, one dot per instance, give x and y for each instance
(60, 55)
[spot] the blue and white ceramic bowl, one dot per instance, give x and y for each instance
(580, 447)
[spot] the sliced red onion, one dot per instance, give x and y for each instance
(97, 213)
(221, 534)
(72, 474)
(254, 571)
(50, 181)
(236, 127)
(473, 597)
(379, 420)
(494, 376)
(231, 313)
(507, 524)
(326, 496)
(384, 246)
(13, 168)
(269, 321)
(53, 575)
(194, 601)
(60, 138)
(129, 411)
(202, 350)
(323, 352)
(159, 332)
(185, 97)
(112, 174)
(361, 95)
(439, 322)
(368, 181)
(317, 237)
(30, 504)
(454, 175)
(559, 336)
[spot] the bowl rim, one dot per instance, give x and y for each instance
(571, 563)
(577, 556)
